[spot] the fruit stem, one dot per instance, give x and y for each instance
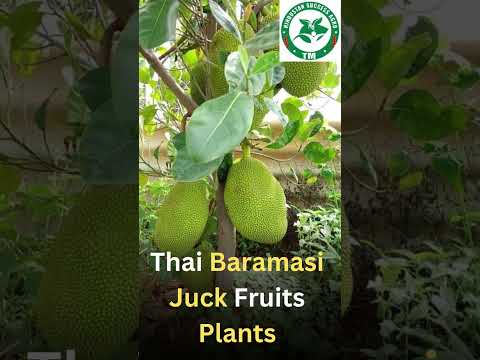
(246, 150)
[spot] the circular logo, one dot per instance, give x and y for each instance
(310, 30)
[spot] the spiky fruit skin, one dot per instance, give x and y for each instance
(219, 82)
(198, 81)
(268, 19)
(182, 218)
(255, 202)
(88, 296)
(200, 281)
(224, 42)
(260, 110)
(303, 78)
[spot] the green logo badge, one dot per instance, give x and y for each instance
(310, 30)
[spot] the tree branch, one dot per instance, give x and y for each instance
(162, 72)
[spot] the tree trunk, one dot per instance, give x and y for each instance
(226, 234)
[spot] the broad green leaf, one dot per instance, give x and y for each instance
(277, 110)
(157, 22)
(275, 75)
(244, 58)
(185, 168)
(109, 148)
(238, 80)
(360, 64)
(224, 19)
(266, 62)
(41, 113)
(95, 87)
(292, 111)
(318, 154)
(365, 19)
(398, 164)
(265, 39)
(218, 126)
(451, 170)
(287, 136)
(148, 114)
(23, 22)
(410, 181)
(397, 62)
(423, 26)
(123, 79)
(419, 114)
(10, 179)
(308, 128)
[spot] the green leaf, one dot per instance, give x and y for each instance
(218, 126)
(95, 87)
(157, 21)
(244, 58)
(266, 62)
(451, 170)
(308, 128)
(410, 181)
(148, 114)
(275, 75)
(224, 19)
(185, 168)
(123, 79)
(423, 26)
(23, 22)
(109, 148)
(287, 136)
(398, 164)
(238, 80)
(397, 62)
(41, 113)
(361, 62)
(277, 110)
(364, 18)
(265, 39)
(419, 114)
(78, 26)
(318, 154)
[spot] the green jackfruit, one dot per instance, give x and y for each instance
(224, 42)
(200, 281)
(260, 110)
(268, 19)
(255, 202)
(88, 296)
(303, 78)
(198, 82)
(219, 82)
(182, 218)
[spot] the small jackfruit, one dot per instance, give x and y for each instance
(265, 20)
(303, 78)
(225, 42)
(181, 218)
(260, 110)
(255, 202)
(200, 281)
(88, 296)
(198, 82)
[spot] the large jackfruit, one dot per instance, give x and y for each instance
(255, 202)
(88, 296)
(198, 82)
(200, 281)
(182, 218)
(303, 78)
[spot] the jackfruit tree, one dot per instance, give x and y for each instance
(214, 112)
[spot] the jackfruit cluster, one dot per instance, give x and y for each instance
(181, 218)
(88, 296)
(200, 281)
(255, 202)
(303, 78)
